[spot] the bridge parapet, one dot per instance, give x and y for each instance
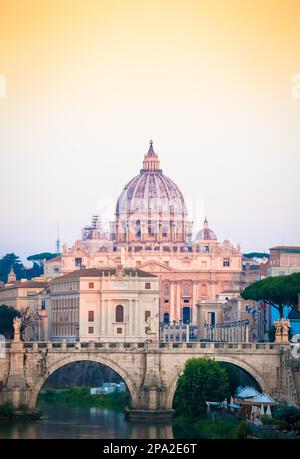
(70, 346)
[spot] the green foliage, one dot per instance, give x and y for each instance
(233, 376)
(203, 380)
(272, 333)
(205, 428)
(81, 396)
(7, 314)
(6, 410)
(40, 257)
(289, 417)
(10, 260)
(256, 255)
(243, 430)
(266, 419)
(277, 291)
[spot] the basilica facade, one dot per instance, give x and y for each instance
(151, 232)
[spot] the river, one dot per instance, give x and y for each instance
(65, 421)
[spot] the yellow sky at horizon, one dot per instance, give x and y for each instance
(209, 76)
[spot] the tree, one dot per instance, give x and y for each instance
(40, 257)
(256, 255)
(272, 334)
(233, 376)
(279, 291)
(38, 262)
(7, 315)
(202, 380)
(10, 260)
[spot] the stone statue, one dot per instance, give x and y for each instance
(152, 325)
(120, 272)
(282, 327)
(17, 326)
(285, 326)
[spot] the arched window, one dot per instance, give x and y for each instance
(166, 289)
(186, 289)
(119, 313)
(206, 249)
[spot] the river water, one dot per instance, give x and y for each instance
(65, 421)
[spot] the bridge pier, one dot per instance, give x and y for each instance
(152, 398)
(16, 390)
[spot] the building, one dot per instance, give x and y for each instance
(152, 232)
(284, 260)
(108, 304)
(21, 294)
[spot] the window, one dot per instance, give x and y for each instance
(91, 316)
(119, 313)
(164, 232)
(206, 249)
(56, 270)
(166, 289)
(212, 318)
(78, 261)
(166, 318)
(147, 315)
(91, 284)
(119, 331)
(147, 285)
(151, 230)
(226, 262)
(91, 330)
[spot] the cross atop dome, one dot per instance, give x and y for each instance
(151, 152)
(151, 161)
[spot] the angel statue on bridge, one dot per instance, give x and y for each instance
(17, 326)
(152, 325)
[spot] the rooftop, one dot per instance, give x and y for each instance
(285, 247)
(29, 284)
(106, 272)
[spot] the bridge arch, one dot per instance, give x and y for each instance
(226, 359)
(131, 386)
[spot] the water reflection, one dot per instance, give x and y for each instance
(65, 421)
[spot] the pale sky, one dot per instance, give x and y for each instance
(84, 85)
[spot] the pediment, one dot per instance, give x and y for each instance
(155, 266)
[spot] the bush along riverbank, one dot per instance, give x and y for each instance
(10, 413)
(81, 396)
(207, 428)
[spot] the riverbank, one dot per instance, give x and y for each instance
(9, 413)
(81, 396)
(205, 427)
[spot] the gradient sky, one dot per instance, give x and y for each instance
(88, 83)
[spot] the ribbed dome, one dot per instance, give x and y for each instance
(205, 234)
(151, 191)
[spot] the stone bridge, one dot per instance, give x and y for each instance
(150, 370)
